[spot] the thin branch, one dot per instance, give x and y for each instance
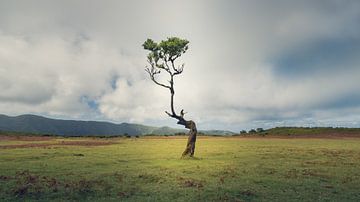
(156, 69)
(178, 70)
(160, 84)
(167, 65)
(160, 66)
(152, 74)
(173, 59)
(173, 66)
(180, 119)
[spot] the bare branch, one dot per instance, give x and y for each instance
(152, 72)
(167, 65)
(160, 84)
(161, 66)
(174, 58)
(180, 119)
(173, 66)
(169, 114)
(178, 70)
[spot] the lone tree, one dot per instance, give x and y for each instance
(162, 58)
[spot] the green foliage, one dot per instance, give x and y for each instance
(150, 169)
(173, 47)
(169, 49)
(150, 45)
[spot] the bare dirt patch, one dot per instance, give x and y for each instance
(28, 185)
(308, 136)
(179, 137)
(269, 136)
(62, 143)
(190, 183)
(87, 143)
(25, 138)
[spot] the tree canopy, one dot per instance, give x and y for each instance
(162, 56)
(168, 50)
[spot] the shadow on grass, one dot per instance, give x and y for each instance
(190, 158)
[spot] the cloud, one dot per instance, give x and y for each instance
(250, 63)
(52, 75)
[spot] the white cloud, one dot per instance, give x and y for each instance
(89, 63)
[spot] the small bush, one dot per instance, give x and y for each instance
(252, 131)
(259, 130)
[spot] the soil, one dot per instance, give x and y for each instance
(318, 136)
(25, 138)
(61, 143)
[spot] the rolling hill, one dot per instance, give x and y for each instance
(40, 125)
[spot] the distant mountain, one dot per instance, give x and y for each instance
(217, 132)
(38, 124)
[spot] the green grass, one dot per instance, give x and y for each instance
(150, 169)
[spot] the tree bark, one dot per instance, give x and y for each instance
(190, 146)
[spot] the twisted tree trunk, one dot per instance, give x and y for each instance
(190, 147)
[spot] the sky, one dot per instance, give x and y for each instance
(250, 63)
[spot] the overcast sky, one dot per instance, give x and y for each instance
(249, 63)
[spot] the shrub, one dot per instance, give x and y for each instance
(259, 130)
(252, 131)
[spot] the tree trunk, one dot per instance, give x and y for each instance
(190, 147)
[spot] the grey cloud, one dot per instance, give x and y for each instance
(322, 55)
(26, 92)
(237, 68)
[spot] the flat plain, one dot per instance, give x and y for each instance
(150, 169)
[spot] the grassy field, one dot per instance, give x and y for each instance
(150, 169)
